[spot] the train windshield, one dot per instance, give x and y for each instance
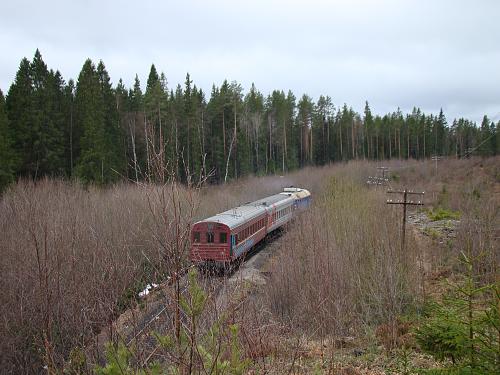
(210, 237)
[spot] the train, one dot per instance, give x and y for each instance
(227, 237)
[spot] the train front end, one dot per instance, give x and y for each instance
(210, 243)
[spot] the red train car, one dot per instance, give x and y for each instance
(225, 237)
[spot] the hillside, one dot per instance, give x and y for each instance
(333, 293)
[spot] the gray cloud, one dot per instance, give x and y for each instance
(392, 53)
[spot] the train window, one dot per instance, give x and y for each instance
(196, 237)
(210, 237)
(223, 237)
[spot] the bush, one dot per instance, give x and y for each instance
(217, 351)
(464, 327)
(442, 214)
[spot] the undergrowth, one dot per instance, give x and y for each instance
(442, 214)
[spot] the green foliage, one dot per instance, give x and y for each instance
(77, 362)
(100, 159)
(464, 327)
(119, 361)
(6, 170)
(194, 305)
(35, 119)
(442, 335)
(217, 351)
(431, 232)
(395, 177)
(442, 214)
(101, 134)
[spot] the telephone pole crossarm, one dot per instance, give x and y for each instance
(405, 202)
(405, 191)
(410, 203)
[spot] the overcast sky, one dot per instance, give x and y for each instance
(425, 53)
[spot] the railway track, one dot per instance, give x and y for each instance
(135, 326)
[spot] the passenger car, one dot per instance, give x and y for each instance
(228, 236)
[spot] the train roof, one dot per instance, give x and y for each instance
(239, 215)
(268, 201)
(298, 193)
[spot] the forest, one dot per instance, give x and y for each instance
(94, 132)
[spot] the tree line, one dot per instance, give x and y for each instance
(97, 133)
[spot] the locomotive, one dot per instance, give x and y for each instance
(226, 237)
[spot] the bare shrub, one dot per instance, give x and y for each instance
(68, 257)
(73, 258)
(342, 266)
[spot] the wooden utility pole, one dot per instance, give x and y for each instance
(379, 180)
(435, 159)
(405, 202)
(384, 170)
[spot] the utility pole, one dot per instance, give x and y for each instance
(436, 158)
(379, 180)
(385, 170)
(405, 202)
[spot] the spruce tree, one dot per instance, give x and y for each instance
(485, 137)
(255, 125)
(90, 119)
(19, 104)
(136, 128)
(115, 155)
(6, 172)
(70, 136)
(155, 107)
